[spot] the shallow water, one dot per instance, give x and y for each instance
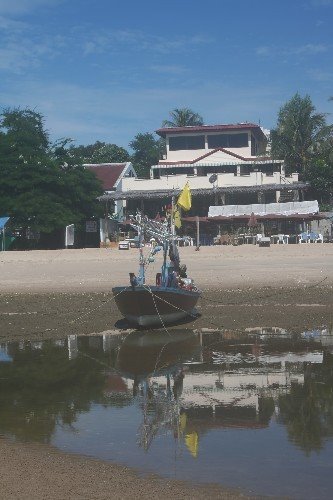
(250, 409)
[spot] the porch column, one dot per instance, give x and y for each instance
(277, 196)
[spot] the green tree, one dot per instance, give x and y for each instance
(147, 152)
(41, 187)
(299, 134)
(320, 174)
(100, 152)
(183, 117)
(25, 133)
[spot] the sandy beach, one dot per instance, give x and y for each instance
(49, 294)
(97, 270)
(54, 293)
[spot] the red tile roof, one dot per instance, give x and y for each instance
(108, 173)
(210, 128)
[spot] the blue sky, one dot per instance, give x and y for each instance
(108, 69)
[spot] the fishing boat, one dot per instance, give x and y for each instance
(173, 296)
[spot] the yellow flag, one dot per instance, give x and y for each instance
(192, 443)
(185, 198)
(182, 421)
(176, 217)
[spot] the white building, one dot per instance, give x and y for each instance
(234, 153)
(223, 165)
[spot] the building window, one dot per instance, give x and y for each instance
(245, 170)
(186, 142)
(227, 141)
(218, 169)
(177, 171)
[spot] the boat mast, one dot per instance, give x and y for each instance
(141, 277)
(167, 243)
(173, 231)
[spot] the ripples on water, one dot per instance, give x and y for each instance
(250, 409)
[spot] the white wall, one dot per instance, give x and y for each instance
(192, 154)
(223, 180)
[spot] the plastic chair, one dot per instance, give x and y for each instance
(303, 238)
(258, 238)
(312, 237)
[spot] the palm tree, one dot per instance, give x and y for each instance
(299, 133)
(183, 117)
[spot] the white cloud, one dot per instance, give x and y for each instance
(263, 51)
(321, 3)
(9, 25)
(168, 69)
(25, 46)
(16, 7)
(308, 49)
(16, 57)
(90, 114)
(107, 41)
(320, 75)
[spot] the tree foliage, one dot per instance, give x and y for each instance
(100, 152)
(183, 117)
(299, 134)
(41, 186)
(147, 152)
(304, 140)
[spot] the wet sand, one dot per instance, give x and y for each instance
(55, 293)
(37, 472)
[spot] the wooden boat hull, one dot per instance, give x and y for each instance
(151, 306)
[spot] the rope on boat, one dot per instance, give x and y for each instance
(101, 305)
(167, 302)
(147, 287)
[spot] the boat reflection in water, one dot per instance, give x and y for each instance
(217, 402)
(154, 361)
(143, 354)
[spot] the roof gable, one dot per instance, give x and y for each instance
(108, 173)
(216, 156)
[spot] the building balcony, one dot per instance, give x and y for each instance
(170, 182)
